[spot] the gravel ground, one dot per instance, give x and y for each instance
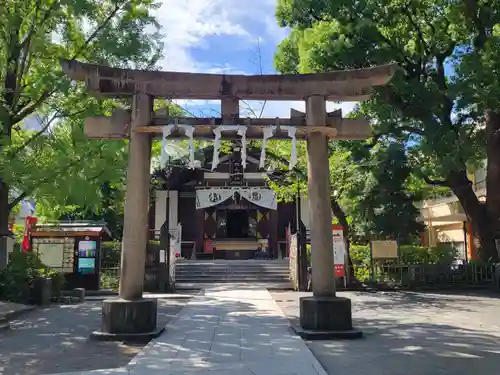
(56, 340)
(412, 334)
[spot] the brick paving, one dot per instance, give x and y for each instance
(56, 339)
(412, 334)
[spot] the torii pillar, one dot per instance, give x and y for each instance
(130, 316)
(324, 315)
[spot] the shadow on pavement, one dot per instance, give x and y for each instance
(411, 333)
(56, 339)
(232, 331)
(392, 348)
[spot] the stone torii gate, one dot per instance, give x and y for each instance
(131, 315)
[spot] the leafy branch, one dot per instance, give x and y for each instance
(49, 178)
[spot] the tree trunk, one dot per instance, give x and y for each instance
(4, 223)
(339, 213)
(493, 165)
(482, 222)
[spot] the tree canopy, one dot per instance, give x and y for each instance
(444, 99)
(373, 194)
(386, 207)
(43, 152)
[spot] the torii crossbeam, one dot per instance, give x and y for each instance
(324, 311)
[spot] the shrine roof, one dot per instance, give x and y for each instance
(177, 173)
(75, 227)
(345, 85)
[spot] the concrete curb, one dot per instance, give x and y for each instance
(7, 317)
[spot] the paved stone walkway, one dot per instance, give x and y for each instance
(226, 332)
(56, 339)
(412, 334)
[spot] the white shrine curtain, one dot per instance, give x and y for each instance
(259, 196)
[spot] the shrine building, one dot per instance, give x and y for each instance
(226, 213)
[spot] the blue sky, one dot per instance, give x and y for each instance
(217, 36)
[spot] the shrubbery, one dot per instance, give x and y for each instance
(110, 262)
(110, 254)
(16, 280)
(360, 256)
(408, 254)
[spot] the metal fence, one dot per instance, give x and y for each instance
(428, 275)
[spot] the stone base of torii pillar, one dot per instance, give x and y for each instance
(128, 320)
(132, 317)
(326, 318)
(324, 315)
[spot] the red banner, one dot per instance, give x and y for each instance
(28, 228)
(339, 270)
(208, 246)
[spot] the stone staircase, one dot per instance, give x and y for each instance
(198, 274)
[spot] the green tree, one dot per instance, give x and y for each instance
(34, 36)
(95, 189)
(343, 176)
(373, 192)
(445, 96)
(387, 209)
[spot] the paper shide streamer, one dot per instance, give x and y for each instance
(268, 132)
(242, 132)
(166, 132)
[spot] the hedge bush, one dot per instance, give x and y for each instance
(442, 254)
(110, 254)
(16, 280)
(360, 257)
(408, 254)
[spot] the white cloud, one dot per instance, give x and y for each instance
(187, 24)
(274, 30)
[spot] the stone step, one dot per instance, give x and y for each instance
(211, 274)
(265, 285)
(186, 265)
(235, 274)
(238, 266)
(235, 269)
(203, 272)
(230, 276)
(233, 261)
(229, 279)
(214, 272)
(232, 272)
